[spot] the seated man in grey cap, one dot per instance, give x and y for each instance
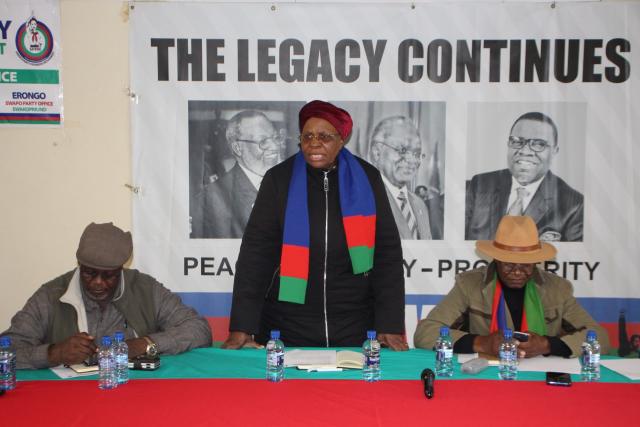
(64, 320)
(512, 292)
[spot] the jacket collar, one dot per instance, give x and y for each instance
(74, 297)
(487, 281)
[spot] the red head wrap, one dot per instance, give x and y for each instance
(339, 118)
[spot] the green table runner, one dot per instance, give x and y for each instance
(250, 364)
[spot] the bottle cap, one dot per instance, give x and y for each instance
(371, 335)
(508, 334)
(119, 336)
(106, 340)
(444, 331)
(275, 334)
(591, 335)
(5, 341)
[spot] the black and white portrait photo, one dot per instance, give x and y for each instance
(233, 143)
(534, 156)
(231, 146)
(405, 141)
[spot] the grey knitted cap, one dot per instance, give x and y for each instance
(104, 246)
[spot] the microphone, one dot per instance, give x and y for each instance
(428, 379)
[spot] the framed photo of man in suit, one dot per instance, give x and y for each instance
(231, 146)
(534, 154)
(405, 140)
(233, 143)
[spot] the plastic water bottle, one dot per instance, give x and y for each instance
(371, 352)
(7, 364)
(275, 358)
(444, 353)
(121, 350)
(107, 365)
(508, 357)
(590, 358)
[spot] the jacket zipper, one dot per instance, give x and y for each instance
(273, 277)
(326, 250)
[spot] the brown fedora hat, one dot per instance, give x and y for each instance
(517, 241)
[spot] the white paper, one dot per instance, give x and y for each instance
(310, 357)
(462, 358)
(630, 368)
(538, 364)
(549, 363)
(66, 373)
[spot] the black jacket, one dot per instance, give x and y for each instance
(355, 303)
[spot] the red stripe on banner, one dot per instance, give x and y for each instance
(612, 330)
(30, 118)
(360, 230)
(295, 261)
(219, 328)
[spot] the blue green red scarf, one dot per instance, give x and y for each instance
(358, 208)
(532, 310)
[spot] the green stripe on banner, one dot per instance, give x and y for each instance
(361, 258)
(45, 77)
(292, 289)
(31, 122)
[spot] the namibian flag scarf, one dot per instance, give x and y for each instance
(532, 310)
(358, 209)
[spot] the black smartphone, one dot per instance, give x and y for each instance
(92, 361)
(521, 336)
(559, 378)
(145, 363)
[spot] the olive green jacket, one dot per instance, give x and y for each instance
(467, 309)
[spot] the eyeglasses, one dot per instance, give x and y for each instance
(404, 152)
(536, 145)
(264, 143)
(508, 267)
(323, 137)
(91, 273)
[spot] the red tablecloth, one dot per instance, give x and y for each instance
(317, 403)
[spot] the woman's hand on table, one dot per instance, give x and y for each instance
(238, 339)
(393, 341)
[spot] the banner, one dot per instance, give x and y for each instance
(30, 62)
(453, 103)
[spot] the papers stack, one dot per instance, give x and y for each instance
(324, 360)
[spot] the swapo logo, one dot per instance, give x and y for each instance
(34, 42)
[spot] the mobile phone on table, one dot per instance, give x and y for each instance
(145, 363)
(91, 361)
(559, 378)
(521, 336)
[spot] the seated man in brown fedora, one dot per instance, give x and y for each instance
(65, 319)
(512, 292)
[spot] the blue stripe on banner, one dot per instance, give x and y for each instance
(208, 304)
(605, 310)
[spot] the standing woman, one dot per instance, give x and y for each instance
(320, 258)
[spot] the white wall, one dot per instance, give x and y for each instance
(54, 182)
